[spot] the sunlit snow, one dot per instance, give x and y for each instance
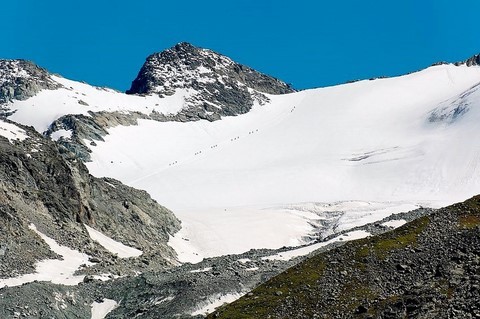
(80, 98)
(397, 143)
(12, 132)
(369, 141)
(101, 309)
(214, 302)
(287, 255)
(57, 271)
(61, 133)
(394, 223)
(113, 246)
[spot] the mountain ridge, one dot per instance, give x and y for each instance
(143, 83)
(217, 85)
(290, 164)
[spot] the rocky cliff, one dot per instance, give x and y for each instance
(39, 184)
(214, 85)
(471, 61)
(21, 79)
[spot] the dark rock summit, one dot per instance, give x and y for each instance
(20, 79)
(472, 61)
(213, 84)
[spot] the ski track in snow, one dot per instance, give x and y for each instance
(368, 140)
(229, 181)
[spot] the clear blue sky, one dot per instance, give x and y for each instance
(309, 43)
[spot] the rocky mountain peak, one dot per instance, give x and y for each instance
(185, 47)
(21, 79)
(472, 61)
(213, 85)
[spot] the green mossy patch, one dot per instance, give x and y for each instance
(469, 221)
(291, 283)
(398, 239)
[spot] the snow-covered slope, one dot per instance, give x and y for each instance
(370, 140)
(80, 98)
(257, 180)
(367, 140)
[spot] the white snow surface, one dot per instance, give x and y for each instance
(303, 251)
(49, 105)
(368, 141)
(12, 132)
(216, 232)
(201, 270)
(395, 223)
(216, 301)
(61, 133)
(113, 246)
(232, 182)
(57, 271)
(101, 309)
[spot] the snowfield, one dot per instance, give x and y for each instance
(58, 271)
(365, 141)
(12, 132)
(303, 251)
(80, 98)
(362, 151)
(101, 309)
(113, 246)
(214, 302)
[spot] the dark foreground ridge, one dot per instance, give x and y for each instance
(429, 268)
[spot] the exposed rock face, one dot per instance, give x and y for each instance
(214, 84)
(472, 61)
(38, 185)
(89, 128)
(428, 268)
(171, 293)
(20, 79)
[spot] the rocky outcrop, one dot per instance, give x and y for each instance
(173, 293)
(428, 268)
(87, 130)
(21, 79)
(38, 185)
(472, 61)
(213, 84)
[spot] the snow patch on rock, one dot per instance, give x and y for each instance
(113, 246)
(101, 309)
(54, 270)
(12, 132)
